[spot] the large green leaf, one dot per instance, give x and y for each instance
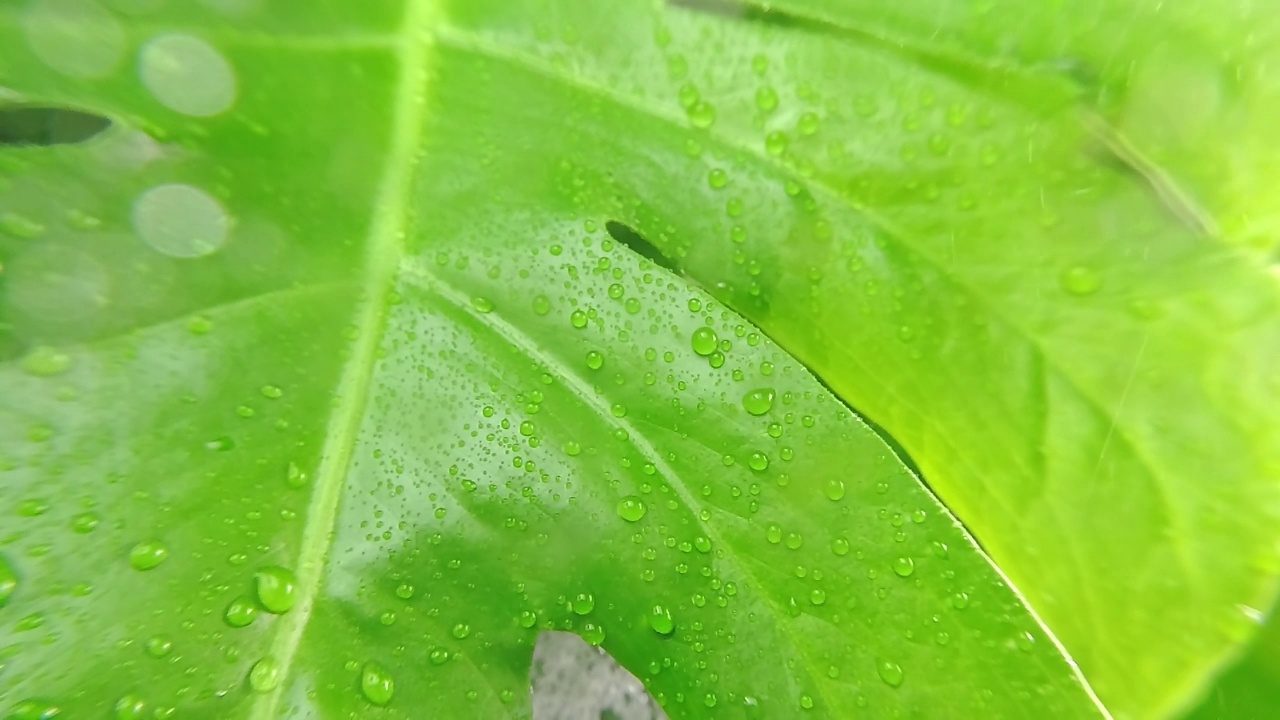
(308, 412)
(972, 244)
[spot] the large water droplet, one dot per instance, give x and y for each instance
(376, 684)
(148, 555)
(631, 508)
(130, 707)
(276, 588)
(583, 603)
(834, 489)
(904, 566)
(704, 341)
(758, 401)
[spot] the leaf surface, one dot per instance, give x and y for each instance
(324, 394)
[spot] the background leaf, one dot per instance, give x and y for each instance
(246, 479)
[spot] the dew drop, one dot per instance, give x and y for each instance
(834, 489)
(276, 588)
(376, 684)
(264, 676)
(8, 581)
(578, 319)
(240, 612)
(702, 114)
(631, 508)
(773, 533)
(572, 449)
(271, 392)
(583, 603)
(159, 646)
(661, 621)
(758, 461)
(840, 547)
(404, 591)
(904, 566)
(461, 631)
(130, 707)
(148, 555)
(528, 618)
(767, 99)
(541, 305)
(595, 360)
(294, 477)
(960, 600)
(759, 401)
(1081, 280)
(45, 361)
(593, 634)
(482, 305)
(890, 672)
(704, 341)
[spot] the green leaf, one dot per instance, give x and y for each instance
(322, 397)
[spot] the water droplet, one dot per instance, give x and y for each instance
(34, 709)
(276, 588)
(45, 361)
(294, 477)
(33, 507)
(794, 540)
(593, 634)
(461, 631)
(148, 555)
(240, 612)
(404, 591)
(960, 600)
(817, 596)
(264, 676)
(572, 449)
(703, 544)
(159, 646)
(187, 75)
(482, 305)
(541, 305)
(808, 124)
(758, 401)
(578, 319)
(904, 566)
(806, 702)
(767, 99)
(773, 533)
(661, 621)
(583, 603)
(717, 178)
(595, 360)
(1081, 280)
(199, 325)
(775, 143)
(834, 489)
(890, 672)
(8, 581)
(840, 547)
(130, 707)
(758, 461)
(271, 392)
(631, 508)
(528, 618)
(78, 38)
(704, 341)
(376, 683)
(702, 114)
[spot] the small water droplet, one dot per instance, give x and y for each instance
(159, 646)
(130, 707)
(583, 603)
(773, 533)
(482, 305)
(840, 547)
(702, 114)
(806, 702)
(794, 541)
(904, 566)
(593, 634)
(960, 600)
(8, 581)
(759, 401)
(1081, 280)
(578, 319)
(890, 672)
(767, 99)
(834, 489)
(461, 631)
(264, 676)
(541, 305)
(572, 449)
(631, 508)
(376, 683)
(148, 555)
(595, 360)
(758, 461)
(276, 588)
(45, 361)
(240, 612)
(294, 477)
(404, 591)
(271, 392)
(528, 618)
(661, 621)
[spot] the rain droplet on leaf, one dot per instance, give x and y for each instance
(276, 588)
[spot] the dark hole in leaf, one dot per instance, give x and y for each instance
(634, 240)
(44, 126)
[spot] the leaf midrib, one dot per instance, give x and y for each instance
(385, 248)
